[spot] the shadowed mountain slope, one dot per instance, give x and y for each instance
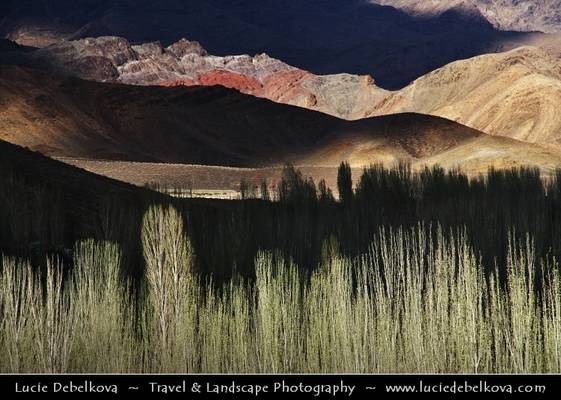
(321, 36)
(67, 117)
(513, 94)
(35, 169)
(518, 15)
(187, 63)
(46, 205)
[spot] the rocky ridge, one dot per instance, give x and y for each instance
(513, 94)
(321, 36)
(518, 15)
(61, 116)
(187, 63)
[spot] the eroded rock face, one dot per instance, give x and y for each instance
(183, 47)
(514, 94)
(518, 15)
(96, 59)
(150, 49)
(187, 63)
(150, 63)
(243, 83)
(323, 36)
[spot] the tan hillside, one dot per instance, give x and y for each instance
(68, 117)
(63, 116)
(515, 94)
(510, 94)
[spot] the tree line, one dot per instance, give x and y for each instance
(47, 216)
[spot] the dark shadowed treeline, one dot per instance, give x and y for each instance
(490, 208)
(46, 206)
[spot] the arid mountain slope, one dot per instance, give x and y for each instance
(425, 140)
(44, 171)
(321, 36)
(42, 197)
(515, 94)
(517, 15)
(114, 59)
(67, 117)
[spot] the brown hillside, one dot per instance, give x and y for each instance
(515, 94)
(67, 117)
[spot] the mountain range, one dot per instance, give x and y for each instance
(115, 59)
(518, 15)
(513, 94)
(67, 117)
(321, 36)
(312, 82)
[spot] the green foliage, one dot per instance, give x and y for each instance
(168, 255)
(43, 216)
(426, 271)
(415, 303)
